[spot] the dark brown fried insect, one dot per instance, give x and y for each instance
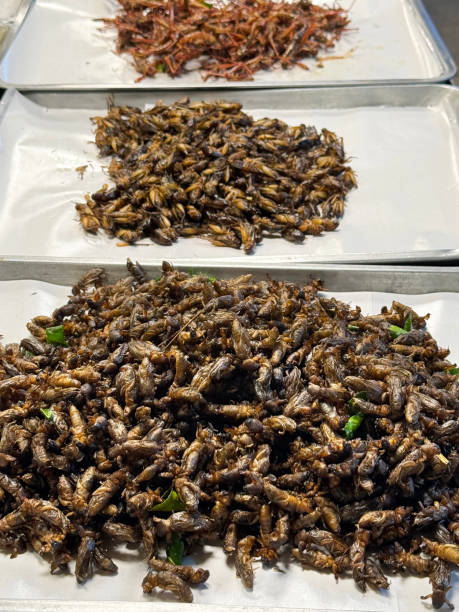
(103, 561)
(84, 559)
(186, 411)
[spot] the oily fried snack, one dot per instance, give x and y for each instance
(208, 169)
(231, 40)
(264, 415)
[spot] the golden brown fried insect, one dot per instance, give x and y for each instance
(185, 572)
(447, 552)
(357, 555)
(167, 581)
(140, 502)
(189, 522)
(243, 560)
(189, 493)
(104, 493)
(13, 487)
(322, 538)
(378, 520)
(396, 558)
(285, 500)
(440, 579)
(83, 489)
(316, 558)
(119, 532)
(65, 492)
(230, 540)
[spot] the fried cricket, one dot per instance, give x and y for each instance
(189, 410)
(209, 170)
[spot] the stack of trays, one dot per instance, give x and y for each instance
(383, 93)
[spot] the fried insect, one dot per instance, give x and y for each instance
(243, 560)
(163, 38)
(440, 579)
(167, 581)
(209, 170)
(205, 410)
(185, 572)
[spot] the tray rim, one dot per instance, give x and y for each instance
(342, 89)
(42, 605)
(421, 15)
(359, 277)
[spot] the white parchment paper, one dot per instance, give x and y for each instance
(27, 576)
(406, 161)
(60, 43)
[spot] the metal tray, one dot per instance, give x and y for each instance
(26, 579)
(389, 41)
(403, 142)
(12, 15)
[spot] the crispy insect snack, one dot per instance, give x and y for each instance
(208, 169)
(261, 415)
(229, 40)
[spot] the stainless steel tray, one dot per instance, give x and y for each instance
(403, 142)
(62, 46)
(25, 581)
(12, 15)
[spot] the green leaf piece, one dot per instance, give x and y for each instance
(27, 354)
(175, 549)
(160, 67)
(354, 328)
(454, 371)
(211, 279)
(172, 503)
(204, 3)
(395, 331)
(55, 335)
(353, 424)
(47, 413)
(408, 322)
